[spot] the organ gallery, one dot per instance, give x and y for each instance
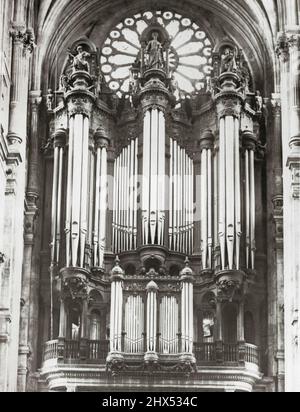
(150, 182)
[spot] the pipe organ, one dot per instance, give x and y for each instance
(153, 193)
(134, 324)
(181, 200)
(155, 179)
(125, 194)
(168, 325)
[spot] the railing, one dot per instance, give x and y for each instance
(252, 354)
(50, 351)
(98, 350)
(231, 352)
(220, 352)
(70, 350)
(205, 353)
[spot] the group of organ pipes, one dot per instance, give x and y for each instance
(155, 210)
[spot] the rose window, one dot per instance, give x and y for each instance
(190, 56)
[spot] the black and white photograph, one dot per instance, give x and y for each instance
(149, 199)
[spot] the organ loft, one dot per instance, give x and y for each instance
(154, 148)
(153, 246)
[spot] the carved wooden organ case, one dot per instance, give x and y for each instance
(154, 189)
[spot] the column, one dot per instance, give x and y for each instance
(249, 145)
(187, 309)
(22, 46)
(116, 309)
(275, 258)
(30, 280)
(229, 103)
(206, 145)
(152, 290)
(99, 244)
(288, 51)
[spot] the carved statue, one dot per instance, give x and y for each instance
(80, 62)
(65, 83)
(228, 61)
(134, 80)
(258, 102)
(154, 51)
(246, 77)
(49, 100)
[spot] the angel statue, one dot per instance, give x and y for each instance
(154, 51)
(79, 60)
(228, 61)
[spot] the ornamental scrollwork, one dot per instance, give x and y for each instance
(227, 289)
(116, 366)
(75, 288)
(80, 105)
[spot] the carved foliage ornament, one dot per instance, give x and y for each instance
(80, 105)
(227, 289)
(75, 288)
(26, 38)
(229, 107)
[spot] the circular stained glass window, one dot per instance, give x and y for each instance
(190, 51)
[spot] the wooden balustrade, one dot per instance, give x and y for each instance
(205, 353)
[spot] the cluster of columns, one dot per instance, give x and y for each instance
(11, 257)
(288, 50)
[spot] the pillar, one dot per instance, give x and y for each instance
(187, 309)
(229, 103)
(22, 46)
(151, 321)
(116, 309)
(30, 279)
(288, 50)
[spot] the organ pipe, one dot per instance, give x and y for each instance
(180, 199)
(125, 199)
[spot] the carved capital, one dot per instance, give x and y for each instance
(282, 47)
(249, 140)
(101, 138)
(276, 106)
(35, 99)
(228, 284)
(229, 106)
(75, 288)
(294, 165)
(80, 105)
(278, 219)
(207, 140)
(294, 41)
(23, 37)
(59, 138)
